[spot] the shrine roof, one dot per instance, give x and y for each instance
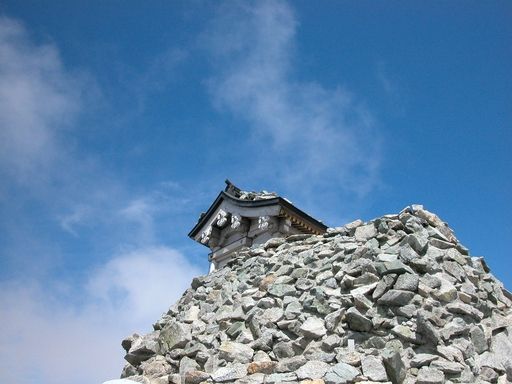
(242, 198)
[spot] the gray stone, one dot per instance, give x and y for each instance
(232, 351)
(455, 270)
(228, 312)
(478, 339)
(293, 310)
(430, 376)
(418, 242)
(283, 349)
(312, 370)
(291, 364)
(313, 328)
(373, 368)
(397, 305)
(441, 244)
(196, 377)
(447, 366)
(426, 329)
(230, 372)
(407, 282)
(488, 374)
(397, 266)
(191, 314)
(395, 297)
(422, 359)
(281, 290)
(464, 309)
(332, 320)
(271, 315)
(155, 367)
(304, 284)
(278, 378)
(365, 232)
(142, 348)
(187, 365)
(356, 321)
(394, 365)
(363, 290)
(407, 253)
(341, 373)
(404, 332)
(387, 257)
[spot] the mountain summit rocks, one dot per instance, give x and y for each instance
(394, 300)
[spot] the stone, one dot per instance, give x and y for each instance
(192, 314)
(293, 310)
(395, 305)
(387, 257)
(157, 366)
(395, 367)
(426, 329)
(417, 242)
(395, 297)
(281, 290)
(230, 372)
(313, 328)
(404, 332)
(397, 267)
(464, 309)
(365, 232)
(283, 349)
(407, 282)
(266, 367)
(373, 368)
(232, 351)
(271, 315)
(291, 364)
(142, 348)
(356, 321)
(363, 290)
(422, 359)
(408, 254)
(196, 377)
(187, 365)
(450, 367)
(332, 320)
(478, 339)
(489, 374)
(430, 376)
(341, 373)
(312, 370)
(278, 378)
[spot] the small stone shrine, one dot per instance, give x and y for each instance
(239, 219)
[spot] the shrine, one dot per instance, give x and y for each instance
(238, 219)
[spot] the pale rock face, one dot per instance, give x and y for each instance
(373, 368)
(394, 300)
(313, 328)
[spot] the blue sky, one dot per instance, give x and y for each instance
(120, 120)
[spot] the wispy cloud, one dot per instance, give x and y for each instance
(53, 329)
(47, 339)
(38, 99)
(308, 133)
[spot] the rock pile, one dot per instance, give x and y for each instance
(397, 300)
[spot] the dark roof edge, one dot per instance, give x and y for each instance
(254, 203)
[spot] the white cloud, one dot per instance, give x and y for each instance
(308, 133)
(37, 100)
(65, 331)
(44, 338)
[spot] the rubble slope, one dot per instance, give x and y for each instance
(397, 299)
